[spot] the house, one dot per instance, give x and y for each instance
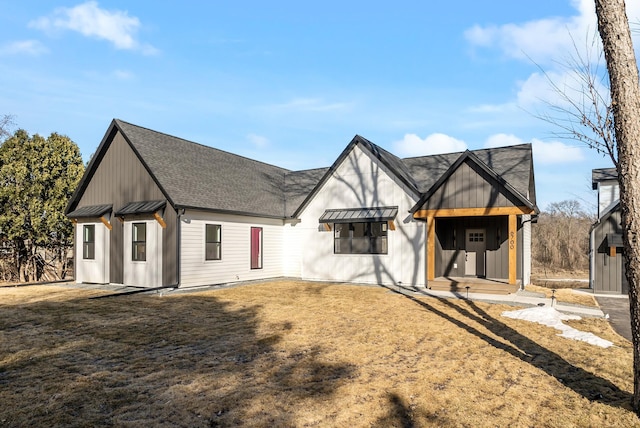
(154, 210)
(606, 262)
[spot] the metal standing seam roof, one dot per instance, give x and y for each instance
(146, 207)
(614, 240)
(359, 214)
(90, 211)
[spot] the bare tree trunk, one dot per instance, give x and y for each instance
(613, 27)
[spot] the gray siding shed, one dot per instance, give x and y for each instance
(609, 275)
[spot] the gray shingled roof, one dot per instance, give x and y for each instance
(603, 174)
(197, 176)
(298, 185)
(512, 163)
(392, 161)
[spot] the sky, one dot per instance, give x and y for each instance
(290, 83)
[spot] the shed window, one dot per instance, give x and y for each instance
(360, 238)
(89, 242)
(213, 242)
(139, 241)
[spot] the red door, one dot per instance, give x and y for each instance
(256, 248)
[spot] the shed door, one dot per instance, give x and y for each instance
(256, 248)
(475, 248)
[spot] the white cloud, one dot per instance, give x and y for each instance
(502, 140)
(28, 47)
(258, 140)
(551, 152)
(560, 89)
(540, 40)
(555, 152)
(413, 145)
(90, 20)
(548, 39)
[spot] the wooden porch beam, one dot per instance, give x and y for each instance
(431, 248)
(513, 247)
(472, 212)
(612, 251)
(159, 220)
(327, 227)
(392, 225)
(106, 222)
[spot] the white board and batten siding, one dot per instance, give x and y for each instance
(94, 270)
(147, 273)
(235, 262)
(608, 194)
(362, 181)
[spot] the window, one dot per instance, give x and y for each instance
(360, 238)
(256, 248)
(139, 239)
(89, 242)
(213, 242)
(476, 236)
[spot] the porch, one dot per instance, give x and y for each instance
(476, 285)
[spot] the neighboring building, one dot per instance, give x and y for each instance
(606, 262)
(155, 210)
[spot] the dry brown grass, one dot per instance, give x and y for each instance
(290, 353)
(565, 295)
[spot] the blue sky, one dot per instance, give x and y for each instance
(290, 83)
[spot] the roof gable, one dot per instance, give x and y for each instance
(473, 159)
(98, 157)
(513, 163)
(391, 162)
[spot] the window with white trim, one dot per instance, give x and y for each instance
(213, 242)
(89, 242)
(139, 242)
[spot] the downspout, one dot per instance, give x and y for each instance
(178, 246)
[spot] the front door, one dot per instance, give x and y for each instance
(475, 248)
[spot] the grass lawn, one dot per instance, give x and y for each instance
(566, 295)
(290, 353)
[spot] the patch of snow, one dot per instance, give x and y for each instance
(552, 318)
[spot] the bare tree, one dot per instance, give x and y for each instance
(613, 26)
(561, 241)
(6, 122)
(582, 110)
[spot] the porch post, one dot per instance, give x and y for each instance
(513, 246)
(431, 248)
